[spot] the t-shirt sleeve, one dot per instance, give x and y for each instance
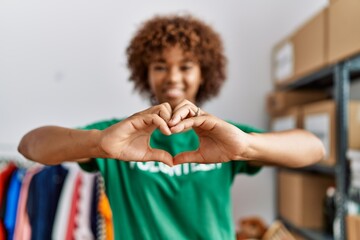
(244, 166)
(92, 164)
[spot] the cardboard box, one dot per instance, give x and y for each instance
(279, 101)
(302, 53)
(310, 43)
(283, 69)
(287, 120)
(301, 197)
(320, 119)
(344, 29)
(353, 227)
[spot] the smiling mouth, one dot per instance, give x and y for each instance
(173, 92)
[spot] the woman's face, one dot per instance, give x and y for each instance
(174, 76)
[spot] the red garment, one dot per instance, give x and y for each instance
(5, 175)
(2, 231)
(4, 180)
(74, 202)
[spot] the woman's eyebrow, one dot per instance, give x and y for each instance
(158, 60)
(182, 61)
(186, 60)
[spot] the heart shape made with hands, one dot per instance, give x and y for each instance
(216, 137)
(219, 140)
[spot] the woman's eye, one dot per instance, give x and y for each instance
(185, 68)
(159, 68)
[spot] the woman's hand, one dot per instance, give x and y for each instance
(219, 140)
(222, 142)
(129, 139)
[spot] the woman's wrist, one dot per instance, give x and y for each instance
(95, 137)
(249, 150)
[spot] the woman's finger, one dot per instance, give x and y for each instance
(182, 103)
(157, 122)
(164, 111)
(189, 157)
(203, 122)
(154, 154)
(185, 111)
(150, 121)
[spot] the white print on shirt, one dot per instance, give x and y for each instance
(178, 170)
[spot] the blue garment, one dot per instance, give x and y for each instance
(44, 192)
(94, 213)
(12, 199)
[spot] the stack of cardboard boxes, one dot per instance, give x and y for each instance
(332, 36)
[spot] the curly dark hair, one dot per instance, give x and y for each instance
(193, 36)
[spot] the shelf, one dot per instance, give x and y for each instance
(319, 79)
(307, 233)
(316, 168)
(335, 79)
(325, 77)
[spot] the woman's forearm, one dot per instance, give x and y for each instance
(53, 145)
(293, 148)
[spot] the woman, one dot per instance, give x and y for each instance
(168, 169)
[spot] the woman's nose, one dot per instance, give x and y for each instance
(174, 75)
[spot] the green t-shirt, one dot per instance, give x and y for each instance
(150, 200)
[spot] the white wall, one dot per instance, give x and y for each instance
(63, 63)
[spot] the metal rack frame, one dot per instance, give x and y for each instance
(338, 76)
